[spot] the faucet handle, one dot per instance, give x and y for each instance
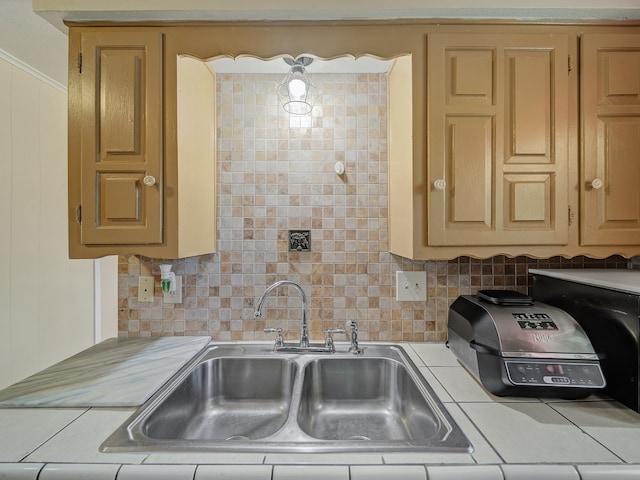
(279, 340)
(329, 340)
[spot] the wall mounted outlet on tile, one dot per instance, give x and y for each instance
(145, 289)
(411, 286)
(174, 297)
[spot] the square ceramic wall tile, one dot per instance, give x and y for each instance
(534, 433)
(610, 423)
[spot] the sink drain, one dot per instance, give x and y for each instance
(238, 437)
(359, 437)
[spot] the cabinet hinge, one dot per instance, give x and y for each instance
(79, 214)
(80, 63)
(570, 216)
(570, 64)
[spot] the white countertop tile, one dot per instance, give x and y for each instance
(412, 458)
(157, 472)
(475, 472)
(233, 472)
(483, 452)
(324, 458)
(537, 472)
(435, 385)
(20, 471)
(23, 430)
(612, 278)
(609, 472)
(386, 472)
(463, 387)
(80, 441)
(206, 457)
(534, 432)
(74, 471)
(612, 424)
(310, 472)
(435, 354)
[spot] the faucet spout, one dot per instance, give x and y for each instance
(304, 328)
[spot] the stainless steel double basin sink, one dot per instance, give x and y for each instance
(248, 398)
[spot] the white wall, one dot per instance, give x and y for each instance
(46, 300)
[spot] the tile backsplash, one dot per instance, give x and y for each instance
(276, 174)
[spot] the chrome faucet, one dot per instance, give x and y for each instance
(304, 328)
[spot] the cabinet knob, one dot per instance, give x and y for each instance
(439, 184)
(596, 184)
(149, 180)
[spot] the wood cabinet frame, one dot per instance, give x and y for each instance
(408, 204)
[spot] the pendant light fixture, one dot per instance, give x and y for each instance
(297, 93)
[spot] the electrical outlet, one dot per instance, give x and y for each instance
(411, 286)
(145, 289)
(174, 297)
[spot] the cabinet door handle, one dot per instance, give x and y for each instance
(596, 184)
(149, 180)
(439, 184)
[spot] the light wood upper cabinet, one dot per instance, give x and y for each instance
(141, 170)
(610, 179)
(498, 133)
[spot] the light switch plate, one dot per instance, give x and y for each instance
(175, 297)
(145, 289)
(411, 286)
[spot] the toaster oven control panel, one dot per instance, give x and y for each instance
(550, 373)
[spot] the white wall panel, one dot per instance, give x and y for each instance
(46, 300)
(25, 203)
(5, 221)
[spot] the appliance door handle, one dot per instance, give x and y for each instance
(484, 349)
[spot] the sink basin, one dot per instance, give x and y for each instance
(246, 398)
(364, 399)
(226, 399)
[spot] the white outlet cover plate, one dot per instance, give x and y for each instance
(175, 297)
(411, 286)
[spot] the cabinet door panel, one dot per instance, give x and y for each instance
(499, 139)
(120, 103)
(122, 139)
(471, 76)
(611, 140)
(469, 153)
(528, 201)
(528, 106)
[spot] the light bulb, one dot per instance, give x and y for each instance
(297, 88)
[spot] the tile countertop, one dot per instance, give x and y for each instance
(514, 439)
(612, 278)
